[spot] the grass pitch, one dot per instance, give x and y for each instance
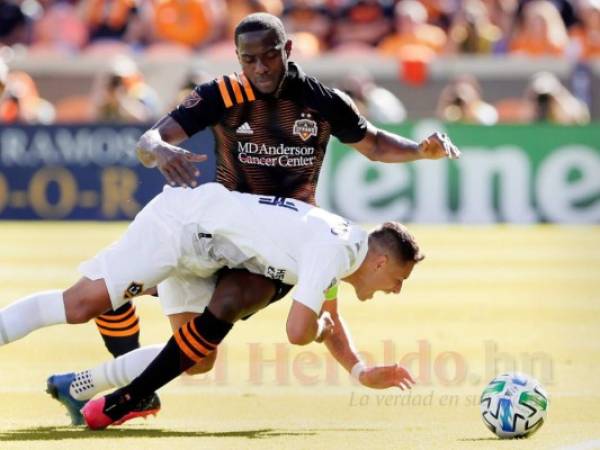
(486, 300)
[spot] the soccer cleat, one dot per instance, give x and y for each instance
(150, 405)
(96, 419)
(58, 387)
(93, 414)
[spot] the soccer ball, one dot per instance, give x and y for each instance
(513, 405)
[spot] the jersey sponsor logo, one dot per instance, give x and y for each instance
(192, 100)
(244, 129)
(274, 273)
(133, 290)
(276, 155)
(305, 127)
(277, 201)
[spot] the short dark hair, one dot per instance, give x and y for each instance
(395, 237)
(261, 22)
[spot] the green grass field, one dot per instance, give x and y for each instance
(485, 300)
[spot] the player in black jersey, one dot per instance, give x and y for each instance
(272, 123)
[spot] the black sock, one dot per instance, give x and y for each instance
(192, 342)
(120, 329)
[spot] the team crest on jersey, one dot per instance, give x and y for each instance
(192, 100)
(134, 289)
(305, 127)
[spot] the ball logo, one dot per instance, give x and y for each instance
(305, 127)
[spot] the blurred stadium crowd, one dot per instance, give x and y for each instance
(406, 30)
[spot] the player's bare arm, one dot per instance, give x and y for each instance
(381, 145)
(302, 325)
(158, 147)
(339, 343)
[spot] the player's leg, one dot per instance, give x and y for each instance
(253, 292)
(120, 332)
(207, 363)
(241, 294)
(178, 293)
(120, 329)
(237, 294)
(189, 345)
(145, 255)
(78, 304)
(74, 389)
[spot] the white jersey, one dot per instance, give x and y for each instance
(279, 238)
(185, 234)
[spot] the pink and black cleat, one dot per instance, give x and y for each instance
(96, 418)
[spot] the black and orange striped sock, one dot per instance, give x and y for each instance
(192, 342)
(120, 329)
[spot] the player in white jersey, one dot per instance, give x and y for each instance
(184, 236)
(180, 240)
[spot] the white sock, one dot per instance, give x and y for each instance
(30, 313)
(115, 373)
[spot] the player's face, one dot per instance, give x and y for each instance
(263, 59)
(386, 275)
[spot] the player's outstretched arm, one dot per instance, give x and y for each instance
(157, 147)
(381, 145)
(338, 341)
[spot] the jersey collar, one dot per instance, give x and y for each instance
(294, 74)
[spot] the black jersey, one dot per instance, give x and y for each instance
(271, 145)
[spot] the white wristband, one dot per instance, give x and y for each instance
(145, 147)
(357, 370)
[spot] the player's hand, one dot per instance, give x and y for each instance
(383, 377)
(438, 146)
(177, 165)
(326, 326)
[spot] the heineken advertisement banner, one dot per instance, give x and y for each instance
(80, 172)
(517, 174)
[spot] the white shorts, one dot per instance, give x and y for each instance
(185, 293)
(144, 256)
(147, 255)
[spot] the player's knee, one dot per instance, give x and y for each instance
(240, 293)
(229, 307)
(77, 310)
(85, 300)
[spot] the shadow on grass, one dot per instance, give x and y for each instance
(59, 433)
(481, 439)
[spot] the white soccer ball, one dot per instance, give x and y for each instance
(514, 405)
